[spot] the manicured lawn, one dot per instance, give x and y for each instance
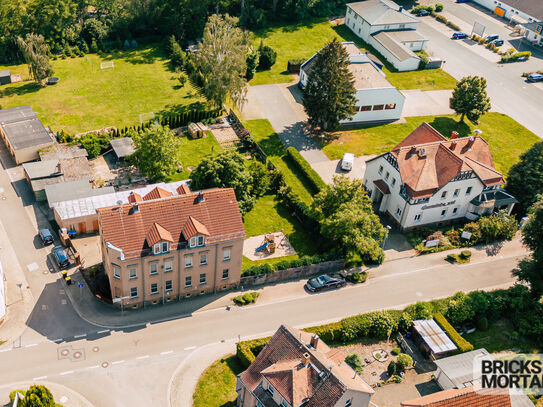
(507, 138)
(303, 39)
(216, 386)
(269, 141)
(88, 98)
(498, 337)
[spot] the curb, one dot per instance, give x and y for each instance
(49, 385)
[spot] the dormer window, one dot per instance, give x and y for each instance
(161, 247)
(197, 241)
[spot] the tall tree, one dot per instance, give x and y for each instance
(330, 94)
(221, 59)
(38, 396)
(525, 179)
(158, 151)
(530, 270)
(469, 98)
(36, 54)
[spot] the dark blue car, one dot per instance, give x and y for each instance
(46, 237)
(459, 36)
(61, 257)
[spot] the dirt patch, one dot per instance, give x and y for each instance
(98, 282)
(106, 170)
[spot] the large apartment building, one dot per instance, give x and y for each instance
(172, 247)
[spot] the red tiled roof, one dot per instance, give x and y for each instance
(157, 193)
(158, 234)
(183, 189)
(461, 398)
(193, 228)
(127, 228)
(134, 197)
(323, 380)
(421, 135)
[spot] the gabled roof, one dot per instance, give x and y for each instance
(157, 193)
(421, 135)
(193, 228)
(134, 197)
(183, 189)
(461, 398)
(381, 12)
(158, 234)
(533, 8)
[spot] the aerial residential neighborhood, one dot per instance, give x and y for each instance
(271, 203)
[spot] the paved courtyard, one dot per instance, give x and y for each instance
(428, 103)
(328, 169)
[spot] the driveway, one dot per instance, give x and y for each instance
(427, 103)
(328, 169)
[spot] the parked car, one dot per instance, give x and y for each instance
(325, 281)
(459, 36)
(462, 1)
(498, 42)
(491, 37)
(61, 257)
(535, 77)
(46, 237)
(347, 162)
(422, 13)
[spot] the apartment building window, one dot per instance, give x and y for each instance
(347, 21)
(348, 403)
(380, 169)
(154, 268)
(388, 175)
(188, 261)
(393, 181)
(468, 191)
(455, 210)
(456, 192)
(203, 259)
(133, 292)
(390, 106)
(201, 240)
(378, 107)
(188, 281)
(444, 195)
(365, 108)
(399, 211)
(359, 28)
(225, 274)
(443, 213)
(116, 273)
(259, 404)
(169, 285)
(270, 390)
(168, 266)
(284, 403)
(387, 27)
(225, 254)
(417, 217)
(203, 279)
(133, 273)
(154, 288)
(163, 247)
(402, 25)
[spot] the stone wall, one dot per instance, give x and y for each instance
(293, 273)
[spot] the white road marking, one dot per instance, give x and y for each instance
(117, 362)
(32, 266)
(166, 352)
(143, 357)
(31, 345)
(190, 348)
(103, 332)
(93, 367)
(39, 378)
(66, 372)
(5, 350)
(80, 336)
(57, 340)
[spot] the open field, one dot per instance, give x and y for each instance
(88, 98)
(507, 138)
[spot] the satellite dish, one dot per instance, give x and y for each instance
(477, 131)
(119, 202)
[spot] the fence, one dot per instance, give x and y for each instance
(293, 273)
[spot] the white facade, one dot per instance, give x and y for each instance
(377, 104)
(2, 295)
(508, 11)
(449, 203)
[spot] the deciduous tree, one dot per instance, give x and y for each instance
(469, 98)
(36, 54)
(329, 95)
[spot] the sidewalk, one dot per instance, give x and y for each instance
(62, 394)
(106, 316)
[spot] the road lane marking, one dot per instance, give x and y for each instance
(117, 362)
(5, 350)
(80, 336)
(66, 372)
(31, 345)
(103, 332)
(58, 340)
(190, 348)
(93, 367)
(39, 378)
(143, 357)
(166, 352)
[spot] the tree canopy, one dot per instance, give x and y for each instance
(36, 54)
(222, 59)
(469, 98)
(329, 95)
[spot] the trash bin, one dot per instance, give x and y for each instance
(69, 280)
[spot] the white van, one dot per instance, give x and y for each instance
(347, 162)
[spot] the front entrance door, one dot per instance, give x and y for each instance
(82, 228)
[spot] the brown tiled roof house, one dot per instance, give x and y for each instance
(461, 398)
(296, 368)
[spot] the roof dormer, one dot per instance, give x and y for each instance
(195, 232)
(159, 239)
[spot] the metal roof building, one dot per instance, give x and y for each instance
(123, 147)
(64, 191)
(5, 77)
(23, 133)
(432, 338)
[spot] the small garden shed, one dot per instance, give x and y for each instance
(5, 77)
(431, 339)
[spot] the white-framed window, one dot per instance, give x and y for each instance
(443, 213)
(192, 242)
(456, 192)
(201, 240)
(203, 259)
(468, 191)
(417, 217)
(203, 279)
(188, 281)
(167, 266)
(444, 195)
(380, 169)
(154, 288)
(133, 292)
(154, 268)
(347, 21)
(116, 273)
(169, 285)
(259, 404)
(165, 247)
(156, 248)
(388, 175)
(455, 210)
(398, 211)
(226, 254)
(284, 403)
(188, 261)
(402, 25)
(270, 390)
(133, 273)
(225, 274)
(387, 27)
(348, 403)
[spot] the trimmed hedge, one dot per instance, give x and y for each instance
(246, 351)
(516, 56)
(294, 65)
(461, 343)
(314, 179)
(357, 277)
(246, 299)
(288, 264)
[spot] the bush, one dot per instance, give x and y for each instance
(12, 394)
(392, 368)
(328, 333)
(247, 351)
(396, 351)
(258, 270)
(438, 7)
(357, 277)
(460, 309)
(293, 65)
(314, 179)
(482, 323)
(404, 360)
(267, 57)
(465, 254)
(381, 324)
(452, 25)
(176, 53)
(441, 19)
(355, 362)
(515, 57)
(404, 322)
(461, 343)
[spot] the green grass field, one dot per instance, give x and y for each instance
(216, 386)
(88, 98)
(507, 138)
(498, 338)
(301, 40)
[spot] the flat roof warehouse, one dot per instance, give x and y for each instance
(22, 128)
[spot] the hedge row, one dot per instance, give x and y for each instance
(461, 343)
(246, 299)
(246, 351)
(287, 264)
(444, 20)
(314, 179)
(516, 56)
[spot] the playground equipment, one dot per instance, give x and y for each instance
(268, 244)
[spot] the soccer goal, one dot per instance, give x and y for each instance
(146, 117)
(106, 65)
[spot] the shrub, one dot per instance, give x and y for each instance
(498, 226)
(293, 65)
(247, 351)
(404, 322)
(459, 308)
(94, 47)
(452, 25)
(422, 310)
(482, 323)
(392, 368)
(465, 254)
(12, 394)
(515, 57)
(381, 324)
(396, 351)
(258, 270)
(404, 360)
(267, 57)
(314, 179)
(357, 277)
(355, 361)
(356, 327)
(328, 332)
(461, 343)
(439, 7)
(441, 19)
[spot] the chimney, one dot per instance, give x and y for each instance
(454, 135)
(135, 207)
(453, 145)
(470, 142)
(314, 340)
(305, 358)
(422, 153)
(59, 168)
(201, 197)
(400, 9)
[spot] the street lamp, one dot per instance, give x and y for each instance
(385, 239)
(120, 299)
